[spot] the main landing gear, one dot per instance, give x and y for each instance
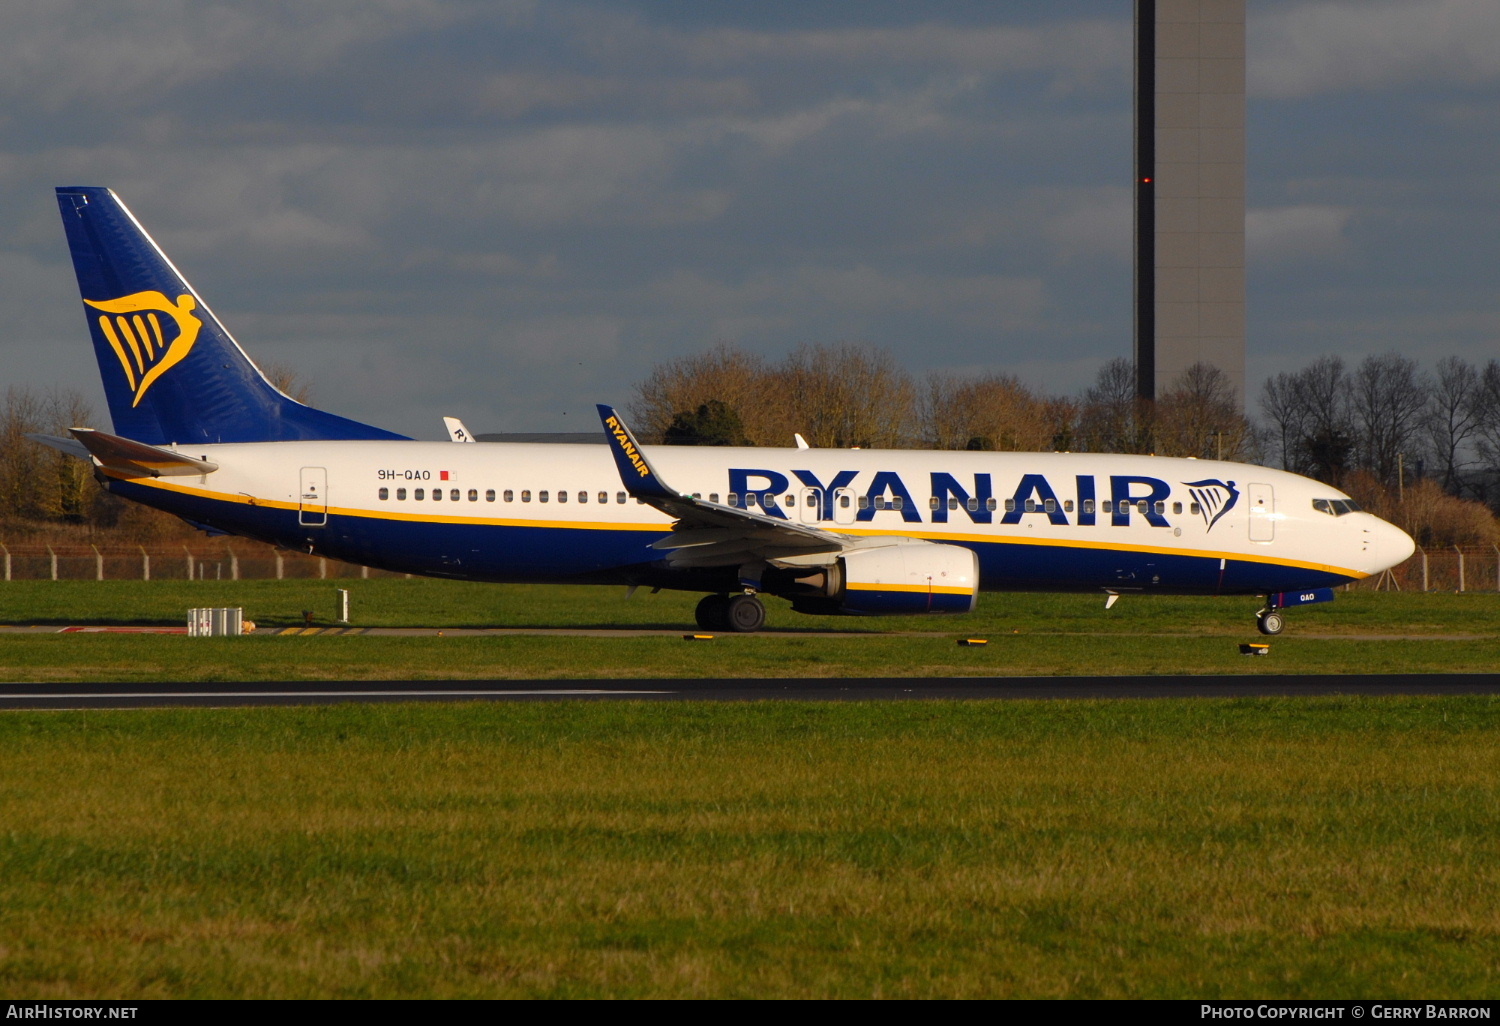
(744, 613)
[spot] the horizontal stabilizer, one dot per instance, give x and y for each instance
(67, 445)
(137, 459)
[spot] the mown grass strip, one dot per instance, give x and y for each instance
(1254, 848)
(143, 658)
(396, 602)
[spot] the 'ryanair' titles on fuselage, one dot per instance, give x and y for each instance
(1077, 503)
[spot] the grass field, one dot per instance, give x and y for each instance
(1029, 634)
(1269, 848)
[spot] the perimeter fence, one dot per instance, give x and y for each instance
(228, 561)
(1473, 568)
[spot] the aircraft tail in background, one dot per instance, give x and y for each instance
(172, 373)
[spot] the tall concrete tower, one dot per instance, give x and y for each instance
(1189, 190)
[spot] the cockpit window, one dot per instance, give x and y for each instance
(1335, 507)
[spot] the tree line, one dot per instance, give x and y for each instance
(1420, 448)
(1417, 447)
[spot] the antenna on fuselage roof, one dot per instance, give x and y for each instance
(801, 442)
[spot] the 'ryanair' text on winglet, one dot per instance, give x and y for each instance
(637, 474)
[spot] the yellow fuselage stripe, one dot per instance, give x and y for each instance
(602, 525)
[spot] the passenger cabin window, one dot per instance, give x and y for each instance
(1010, 505)
(972, 505)
(583, 496)
(620, 498)
(453, 495)
(525, 494)
(474, 495)
(509, 495)
(603, 498)
(843, 502)
(1088, 505)
(880, 502)
(542, 495)
(400, 494)
(1050, 505)
(1195, 509)
(385, 493)
(437, 494)
(713, 496)
(1176, 507)
(897, 502)
(732, 499)
(562, 496)
(1067, 505)
(489, 495)
(864, 502)
(1031, 505)
(990, 505)
(1161, 507)
(418, 494)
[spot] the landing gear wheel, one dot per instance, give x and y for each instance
(1269, 622)
(712, 613)
(746, 614)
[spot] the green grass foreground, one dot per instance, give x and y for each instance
(1335, 848)
(1361, 632)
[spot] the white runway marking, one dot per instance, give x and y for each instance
(329, 694)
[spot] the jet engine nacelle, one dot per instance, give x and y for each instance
(896, 580)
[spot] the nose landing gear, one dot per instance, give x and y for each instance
(1269, 621)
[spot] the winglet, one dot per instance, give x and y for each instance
(637, 474)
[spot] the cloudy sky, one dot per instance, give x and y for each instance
(508, 211)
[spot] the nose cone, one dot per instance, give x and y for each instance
(1392, 546)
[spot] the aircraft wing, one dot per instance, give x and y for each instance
(708, 534)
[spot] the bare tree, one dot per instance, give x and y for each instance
(1388, 399)
(22, 462)
(845, 394)
(36, 482)
(1326, 447)
(995, 412)
(1111, 418)
(284, 378)
(1197, 415)
(1281, 402)
(1453, 413)
(737, 380)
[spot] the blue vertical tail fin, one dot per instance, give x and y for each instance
(172, 373)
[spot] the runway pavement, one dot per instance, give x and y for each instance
(121, 696)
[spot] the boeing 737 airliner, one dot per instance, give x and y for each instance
(198, 431)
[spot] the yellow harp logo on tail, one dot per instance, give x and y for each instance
(146, 347)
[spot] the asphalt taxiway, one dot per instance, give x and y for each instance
(135, 695)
